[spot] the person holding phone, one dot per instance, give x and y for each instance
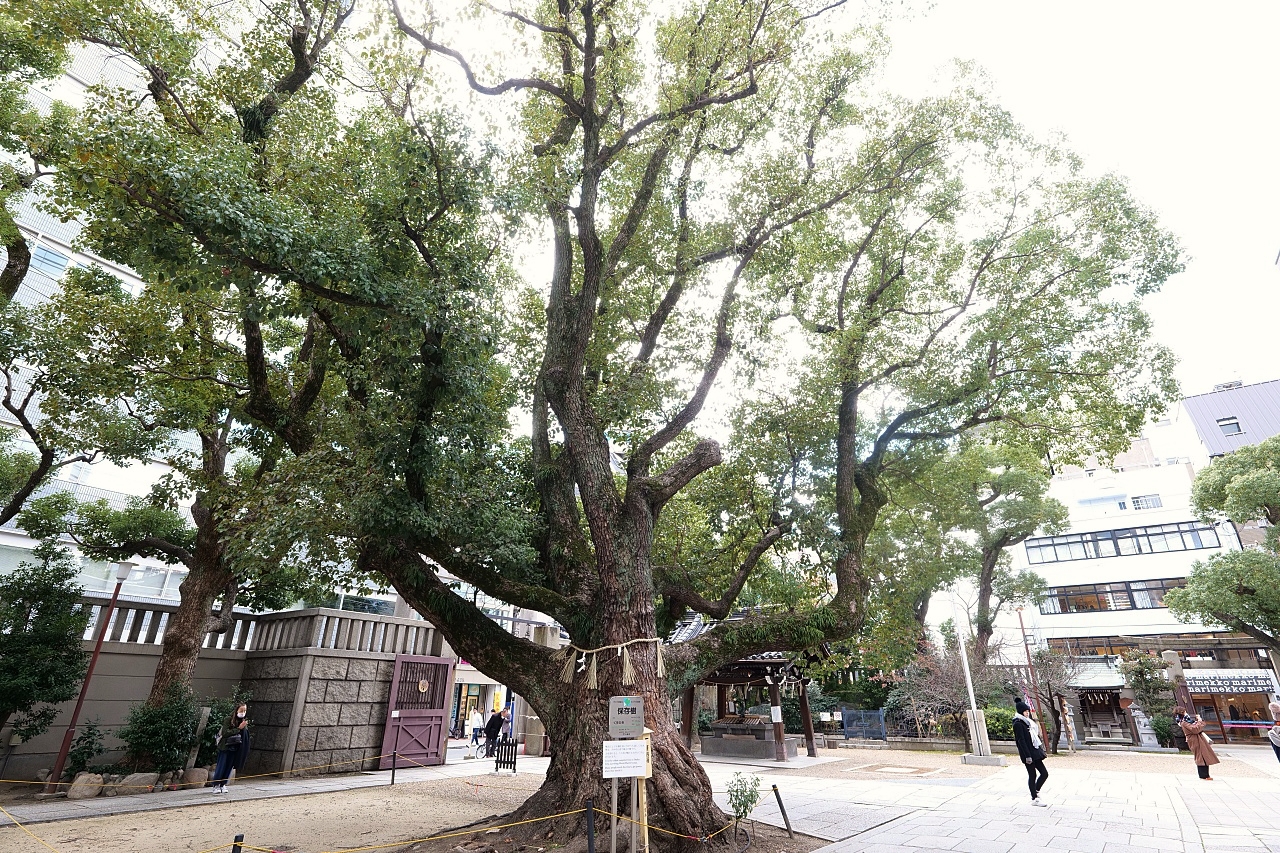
(233, 747)
(1198, 742)
(1030, 749)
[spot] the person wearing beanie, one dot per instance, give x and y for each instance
(1197, 741)
(1030, 749)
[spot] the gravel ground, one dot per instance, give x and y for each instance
(863, 764)
(312, 823)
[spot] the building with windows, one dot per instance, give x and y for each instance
(1134, 536)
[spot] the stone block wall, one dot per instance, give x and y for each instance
(273, 683)
(344, 715)
(317, 711)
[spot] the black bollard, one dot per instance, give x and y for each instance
(393, 766)
(783, 809)
(591, 826)
(235, 846)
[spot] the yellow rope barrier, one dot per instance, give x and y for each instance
(44, 843)
(193, 785)
(656, 828)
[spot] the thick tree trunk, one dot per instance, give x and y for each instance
(679, 793)
(1055, 725)
(187, 628)
(983, 620)
(17, 262)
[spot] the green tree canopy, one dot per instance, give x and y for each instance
(1243, 485)
(1239, 590)
(728, 208)
(42, 623)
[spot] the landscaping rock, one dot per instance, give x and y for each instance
(86, 786)
(195, 776)
(42, 775)
(137, 783)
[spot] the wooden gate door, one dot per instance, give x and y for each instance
(417, 711)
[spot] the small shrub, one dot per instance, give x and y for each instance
(705, 719)
(744, 793)
(1163, 728)
(818, 703)
(87, 746)
(999, 723)
(161, 737)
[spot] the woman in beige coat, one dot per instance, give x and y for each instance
(1197, 742)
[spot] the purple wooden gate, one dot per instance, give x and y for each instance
(417, 711)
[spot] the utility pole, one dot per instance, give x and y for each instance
(1035, 685)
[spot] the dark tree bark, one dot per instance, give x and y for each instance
(984, 619)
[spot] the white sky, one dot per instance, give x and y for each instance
(1181, 98)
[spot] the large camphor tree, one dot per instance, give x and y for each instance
(728, 231)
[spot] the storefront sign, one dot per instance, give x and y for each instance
(1214, 682)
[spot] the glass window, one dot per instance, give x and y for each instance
(1156, 538)
(1084, 600)
(1117, 596)
(1147, 502)
(48, 261)
(1230, 426)
(1141, 595)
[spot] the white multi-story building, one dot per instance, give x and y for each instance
(1133, 536)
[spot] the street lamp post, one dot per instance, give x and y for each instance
(123, 569)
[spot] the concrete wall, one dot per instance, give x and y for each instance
(121, 680)
(319, 681)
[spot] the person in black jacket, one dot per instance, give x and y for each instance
(1030, 750)
(233, 748)
(492, 729)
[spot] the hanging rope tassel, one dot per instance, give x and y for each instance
(628, 671)
(566, 674)
(591, 672)
(662, 667)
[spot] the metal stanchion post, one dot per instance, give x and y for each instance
(635, 813)
(613, 820)
(394, 754)
(591, 826)
(786, 820)
(235, 846)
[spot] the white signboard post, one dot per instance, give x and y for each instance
(627, 759)
(631, 757)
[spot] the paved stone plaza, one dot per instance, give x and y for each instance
(1090, 811)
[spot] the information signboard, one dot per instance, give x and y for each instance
(626, 716)
(626, 759)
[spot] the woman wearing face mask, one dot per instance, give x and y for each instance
(233, 747)
(1198, 742)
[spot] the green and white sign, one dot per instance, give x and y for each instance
(626, 716)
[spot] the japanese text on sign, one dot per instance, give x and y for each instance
(626, 716)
